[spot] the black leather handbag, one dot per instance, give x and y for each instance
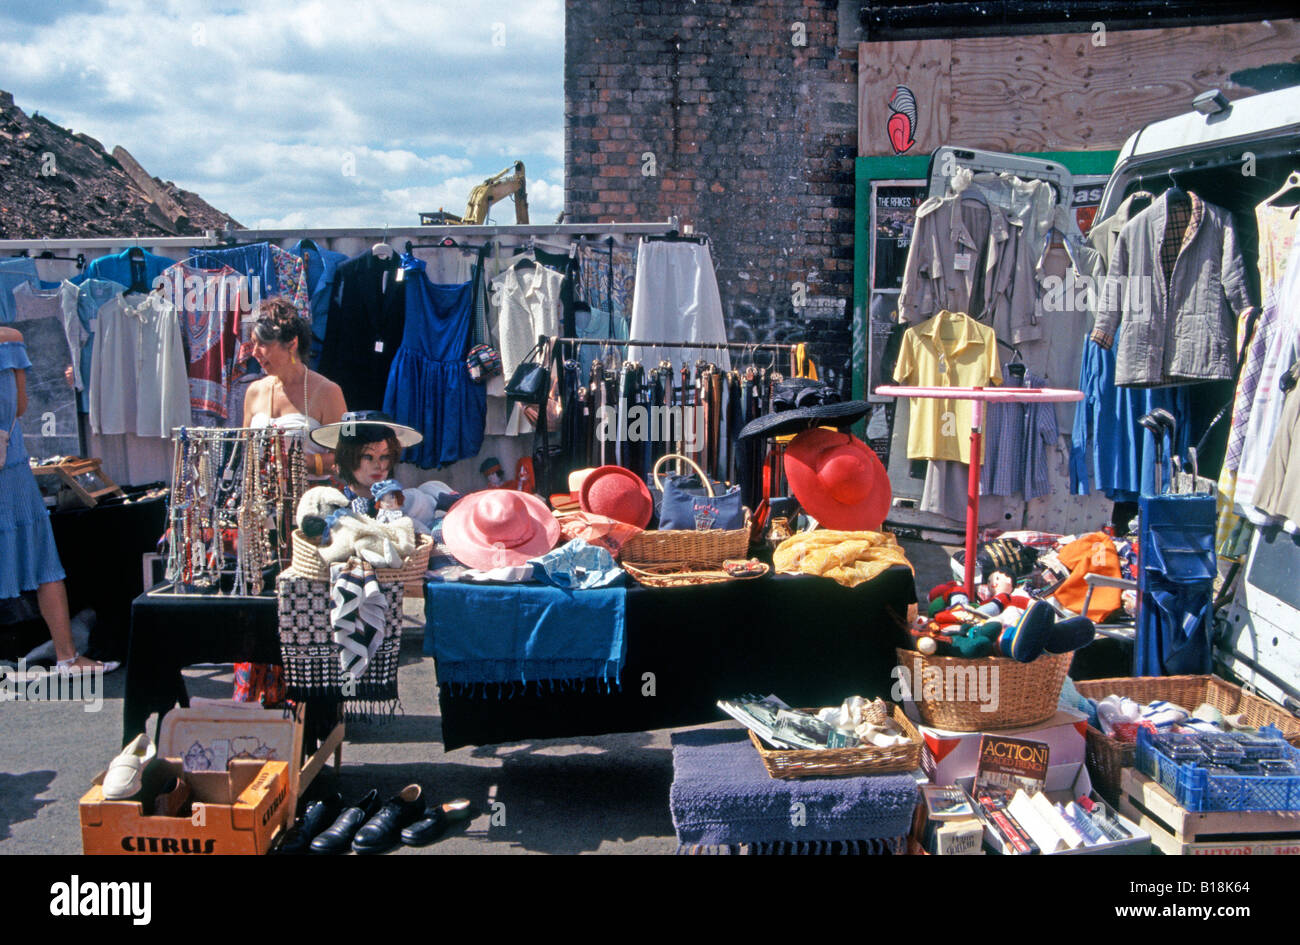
(531, 381)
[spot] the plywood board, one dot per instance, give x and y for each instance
(922, 67)
(1058, 92)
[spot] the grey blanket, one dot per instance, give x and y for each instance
(722, 797)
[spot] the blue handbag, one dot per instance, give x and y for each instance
(686, 510)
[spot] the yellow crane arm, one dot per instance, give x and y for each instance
(508, 182)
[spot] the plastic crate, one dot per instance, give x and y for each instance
(1197, 790)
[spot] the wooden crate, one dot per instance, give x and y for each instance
(1179, 832)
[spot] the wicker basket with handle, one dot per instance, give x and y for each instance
(1108, 756)
(308, 563)
(707, 548)
(1027, 693)
(827, 762)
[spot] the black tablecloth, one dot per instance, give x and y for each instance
(169, 633)
(806, 639)
(101, 551)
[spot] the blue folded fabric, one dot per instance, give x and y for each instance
(577, 565)
(722, 795)
(526, 634)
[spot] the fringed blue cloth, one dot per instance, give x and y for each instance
(500, 641)
(724, 801)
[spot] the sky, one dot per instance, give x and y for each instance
(330, 113)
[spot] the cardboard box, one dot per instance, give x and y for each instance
(235, 811)
(1068, 783)
(947, 756)
(238, 806)
(249, 730)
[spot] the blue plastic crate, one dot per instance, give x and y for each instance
(1197, 790)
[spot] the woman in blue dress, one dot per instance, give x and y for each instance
(28, 558)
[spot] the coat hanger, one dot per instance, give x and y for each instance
(382, 250)
(1175, 192)
(1289, 190)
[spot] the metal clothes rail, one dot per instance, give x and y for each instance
(706, 345)
(219, 238)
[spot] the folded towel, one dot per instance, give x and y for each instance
(722, 795)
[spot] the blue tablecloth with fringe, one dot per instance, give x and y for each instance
(722, 798)
(501, 640)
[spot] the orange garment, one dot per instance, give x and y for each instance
(1094, 553)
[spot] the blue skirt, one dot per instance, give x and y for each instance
(28, 557)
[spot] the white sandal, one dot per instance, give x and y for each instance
(67, 667)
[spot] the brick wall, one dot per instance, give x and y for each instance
(738, 118)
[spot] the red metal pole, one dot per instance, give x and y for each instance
(973, 492)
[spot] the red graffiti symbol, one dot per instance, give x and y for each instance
(902, 121)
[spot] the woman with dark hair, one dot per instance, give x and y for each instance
(293, 398)
(290, 396)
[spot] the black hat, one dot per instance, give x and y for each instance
(799, 404)
(365, 426)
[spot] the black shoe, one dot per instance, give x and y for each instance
(381, 831)
(435, 822)
(336, 838)
(313, 820)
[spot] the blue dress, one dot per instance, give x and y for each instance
(429, 387)
(28, 557)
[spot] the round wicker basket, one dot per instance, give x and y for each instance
(1022, 693)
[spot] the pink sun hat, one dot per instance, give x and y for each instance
(498, 528)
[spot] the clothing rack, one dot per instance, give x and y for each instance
(704, 345)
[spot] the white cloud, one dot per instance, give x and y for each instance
(257, 106)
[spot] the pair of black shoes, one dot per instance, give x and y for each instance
(368, 826)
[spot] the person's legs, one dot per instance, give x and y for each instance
(52, 599)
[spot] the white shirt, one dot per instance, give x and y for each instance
(139, 381)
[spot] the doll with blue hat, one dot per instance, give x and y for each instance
(389, 499)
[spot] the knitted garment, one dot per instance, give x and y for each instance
(723, 796)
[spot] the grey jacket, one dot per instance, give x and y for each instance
(1185, 331)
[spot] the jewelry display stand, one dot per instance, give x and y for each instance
(234, 491)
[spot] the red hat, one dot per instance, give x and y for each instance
(617, 493)
(838, 480)
(498, 528)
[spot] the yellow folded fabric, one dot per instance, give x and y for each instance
(849, 558)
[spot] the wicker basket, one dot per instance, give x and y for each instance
(308, 563)
(1108, 757)
(683, 574)
(828, 762)
(1027, 693)
(709, 548)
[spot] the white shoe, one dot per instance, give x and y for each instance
(123, 778)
